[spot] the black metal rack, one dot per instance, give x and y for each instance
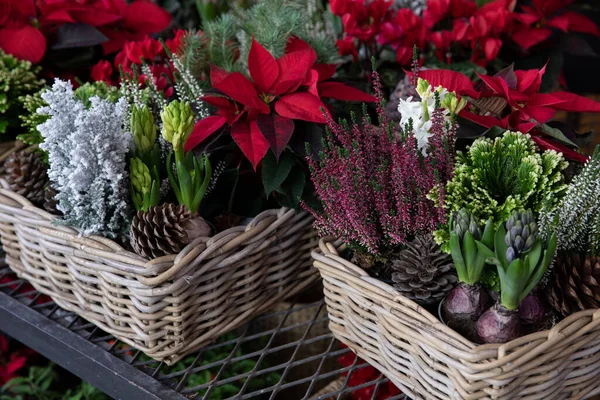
(287, 354)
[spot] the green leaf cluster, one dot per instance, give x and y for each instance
(284, 179)
(495, 177)
(30, 119)
(521, 275)
(234, 369)
(100, 89)
(468, 259)
(18, 78)
(225, 41)
(192, 174)
(38, 384)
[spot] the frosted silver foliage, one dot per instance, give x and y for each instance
(87, 150)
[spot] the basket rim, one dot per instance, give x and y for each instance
(326, 255)
(156, 271)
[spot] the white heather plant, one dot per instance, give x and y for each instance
(576, 219)
(87, 151)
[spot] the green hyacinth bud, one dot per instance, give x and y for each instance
(423, 88)
(140, 176)
(453, 104)
(178, 123)
(143, 129)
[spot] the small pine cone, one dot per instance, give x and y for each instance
(50, 202)
(26, 175)
(423, 272)
(165, 229)
(575, 285)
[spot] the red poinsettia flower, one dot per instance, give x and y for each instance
(404, 31)
(437, 10)
(175, 43)
(347, 47)
(18, 36)
(539, 19)
(483, 29)
(102, 71)
(527, 108)
(147, 49)
(261, 112)
(137, 19)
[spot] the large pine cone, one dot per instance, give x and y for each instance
(423, 272)
(165, 229)
(26, 174)
(575, 285)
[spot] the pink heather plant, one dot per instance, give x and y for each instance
(377, 189)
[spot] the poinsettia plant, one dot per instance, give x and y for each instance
(31, 29)
(511, 100)
(456, 34)
(260, 111)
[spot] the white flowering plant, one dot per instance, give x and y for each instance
(417, 114)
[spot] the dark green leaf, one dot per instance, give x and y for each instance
(273, 173)
(290, 192)
(556, 134)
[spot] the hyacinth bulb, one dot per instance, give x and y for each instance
(498, 325)
(462, 308)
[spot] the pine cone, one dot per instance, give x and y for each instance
(50, 202)
(423, 272)
(165, 229)
(26, 175)
(575, 285)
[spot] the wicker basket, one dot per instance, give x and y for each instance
(428, 360)
(172, 305)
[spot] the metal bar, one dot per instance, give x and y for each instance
(113, 376)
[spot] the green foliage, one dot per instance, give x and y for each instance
(39, 385)
(216, 44)
(18, 78)
(30, 119)
(576, 219)
(191, 175)
(225, 41)
(272, 22)
(496, 177)
(217, 354)
(90, 89)
(465, 233)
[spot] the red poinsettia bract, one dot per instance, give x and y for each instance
(528, 108)
(25, 24)
(261, 111)
(536, 22)
(363, 375)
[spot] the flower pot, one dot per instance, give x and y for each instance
(428, 360)
(172, 305)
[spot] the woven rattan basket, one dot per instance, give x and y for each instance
(428, 360)
(172, 305)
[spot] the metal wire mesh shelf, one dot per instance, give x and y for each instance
(287, 353)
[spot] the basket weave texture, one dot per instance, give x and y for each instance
(428, 360)
(172, 305)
